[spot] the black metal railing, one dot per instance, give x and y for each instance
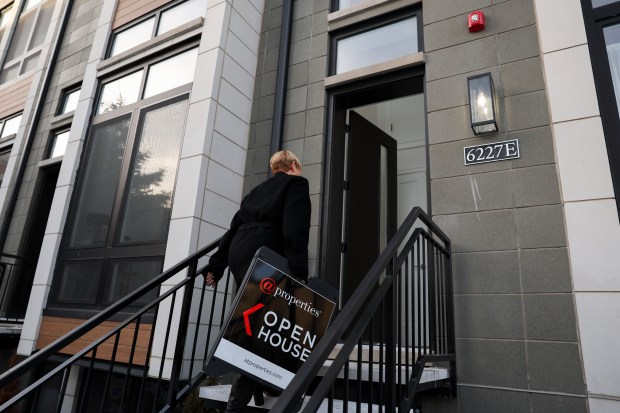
(16, 274)
(398, 321)
(139, 365)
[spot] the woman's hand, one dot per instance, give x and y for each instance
(210, 280)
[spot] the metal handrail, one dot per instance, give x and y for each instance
(53, 349)
(361, 309)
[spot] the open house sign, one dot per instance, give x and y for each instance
(275, 323)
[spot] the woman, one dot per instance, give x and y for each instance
(275, 214)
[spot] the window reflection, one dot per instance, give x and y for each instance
(599, 3)
(133, 36)
(120, 92)
(377, 45)
(11, 126)
(70, 102)
(170, 73)
(4, 160)
(149, 201)
(59, 146)
(181, 14)
(343, 4)
(127, 276)
(612, 40)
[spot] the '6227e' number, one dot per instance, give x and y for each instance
(491, 152)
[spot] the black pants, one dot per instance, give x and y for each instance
(243, 389)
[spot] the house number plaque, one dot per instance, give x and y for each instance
(491, 152)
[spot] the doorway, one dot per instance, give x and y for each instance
(376, 173)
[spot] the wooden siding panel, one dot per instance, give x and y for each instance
(55, 327)
(128, 10)
(13, 97)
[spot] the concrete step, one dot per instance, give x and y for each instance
(406, 354)
(429, 374)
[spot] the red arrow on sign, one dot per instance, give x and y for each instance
(246, 318)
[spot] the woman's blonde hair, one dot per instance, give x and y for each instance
(281, 161)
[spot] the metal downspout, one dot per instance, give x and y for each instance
(31, 131)
(281, 77)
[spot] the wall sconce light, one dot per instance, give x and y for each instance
(482, 104)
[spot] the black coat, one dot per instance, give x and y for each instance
(275, 214)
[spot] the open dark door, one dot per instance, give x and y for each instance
(370, 200)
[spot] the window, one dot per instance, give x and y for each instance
(69, 101)
(4, 160)
(10, 126)
(59, 144)
(5, 15)
(166, 75)
(343, 4)
(379, 43)
(603, 31)
(25, 48)
(118, 224)
(160, 22)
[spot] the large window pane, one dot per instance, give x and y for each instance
(4, 160)
(20, 37)
(79, 282)
(120, 92)
(181, 14)
(149, 201)
(59, 146)
(43, 24)
(127, 276)
(612, 39)
(9, 73)
(378, 45)
(70, 101)
(5, 15)
(133, 36)
(11, 126)
(599, 3)
(99, 187)
(173, 72)
(30, 63)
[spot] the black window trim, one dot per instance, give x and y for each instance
(371, 24)
(595, 20)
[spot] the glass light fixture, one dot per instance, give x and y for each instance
(482, 104)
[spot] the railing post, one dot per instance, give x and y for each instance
(432, 297)
(390, 341)
(450, 316)
(179, 348)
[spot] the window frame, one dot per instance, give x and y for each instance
(3, 151)
(53, 135)
(63, 99)
(372, 24)
(28, 53)
(595, 19)
(153, 14)
(3, 125)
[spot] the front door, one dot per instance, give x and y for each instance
(370, 205)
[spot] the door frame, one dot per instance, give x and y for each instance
(389, 86)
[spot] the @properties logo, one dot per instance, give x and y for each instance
(267, 285)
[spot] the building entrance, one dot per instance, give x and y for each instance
(379, 138)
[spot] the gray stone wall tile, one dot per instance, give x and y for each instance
(275, 17)
(300, 51)
(545, 270)
(446, 160)
(313, 150)
(465, 58)
(486, 273)
(265, 107)
(481, 192)
(317, 69)
(316, 95)
(545, 403)
(453, 31)
(298, 75)
(294, 125)
(529, 110)
(550, 317)
(270, 62)
(302, 8)
(522, 76)
(449, 125)
(452, 91)
(263, 132)
(315, 122)
(313, 174)
(440, 10)
(479, 400)
(319, 45)
(321, 5)
(512, 15)
(302, 29)
(488, 316)
(555, 367)
(518, 44)
(296, 100)
(272, 37)
(537, 185)
(483, 231)
(319, 22)
(535, 145)
(498, 363)
(541, 227)
(267, 83)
